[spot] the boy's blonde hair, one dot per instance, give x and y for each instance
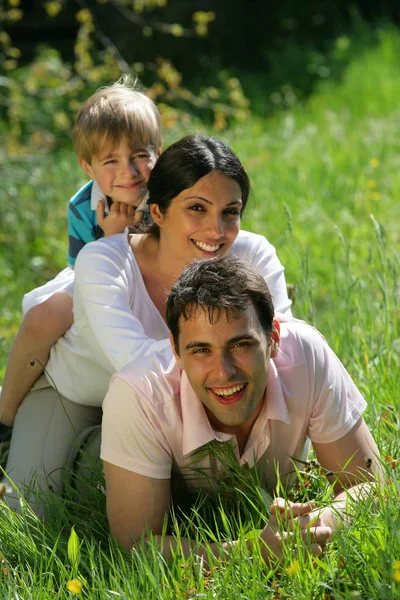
(113, 113)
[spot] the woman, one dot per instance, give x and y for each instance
(198, 191)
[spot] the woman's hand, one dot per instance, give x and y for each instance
(288, 518)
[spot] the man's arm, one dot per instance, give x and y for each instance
(354, 462)
(137, 505)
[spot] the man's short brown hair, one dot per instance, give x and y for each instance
(219, 285)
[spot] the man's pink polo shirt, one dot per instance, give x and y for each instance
(154, 424)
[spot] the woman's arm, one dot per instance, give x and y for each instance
(104, 283)
(262, 255)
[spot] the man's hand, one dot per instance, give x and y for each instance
(288, 517)
(120, 216)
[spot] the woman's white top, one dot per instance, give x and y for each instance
(115, 320)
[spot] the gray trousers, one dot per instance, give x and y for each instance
(48, 432)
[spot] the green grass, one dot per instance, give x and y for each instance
(326, 183)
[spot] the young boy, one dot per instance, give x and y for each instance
(117, 139)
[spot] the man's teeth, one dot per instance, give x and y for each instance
(230, 391)
(206, 247)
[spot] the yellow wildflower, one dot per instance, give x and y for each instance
(74, 586)
(374, 163)
(371, 183)
(84, 16)
(396, 572)
(293, 568)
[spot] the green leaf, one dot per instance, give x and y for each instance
(73, 548)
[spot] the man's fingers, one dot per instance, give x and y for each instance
(304, 521)
(282, 510)
(279, 504)
(3, 490)
(318, 535)
(315, 549)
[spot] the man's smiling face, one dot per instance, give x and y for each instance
(227, 364)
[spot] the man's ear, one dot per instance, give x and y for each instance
(275, 338)
(86, 167)
(174, 350)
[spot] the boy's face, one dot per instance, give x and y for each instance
(122, 171)
(227, 364)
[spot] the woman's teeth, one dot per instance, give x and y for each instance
(229, 391)
(206, 247)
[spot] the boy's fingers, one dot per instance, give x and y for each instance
(100, 210)
(137, 217)
(115, 207)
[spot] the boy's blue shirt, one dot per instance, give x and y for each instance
(82, 222)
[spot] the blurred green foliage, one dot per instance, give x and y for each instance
(39, 98)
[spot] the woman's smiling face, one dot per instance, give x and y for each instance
(202, 221)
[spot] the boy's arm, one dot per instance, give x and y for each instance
(81, 229)
(86, 225)
(42, 326)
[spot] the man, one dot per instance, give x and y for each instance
(239, 378)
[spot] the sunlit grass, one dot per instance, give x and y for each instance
(326, 182)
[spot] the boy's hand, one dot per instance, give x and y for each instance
(286, 517)
(120, 216)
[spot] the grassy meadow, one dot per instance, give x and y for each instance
(326, 188)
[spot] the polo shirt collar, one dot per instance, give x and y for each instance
(197, 430)
(274, 407)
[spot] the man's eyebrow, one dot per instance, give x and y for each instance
(230, 342)
(238, 201)
(240, 338)
(196, 344)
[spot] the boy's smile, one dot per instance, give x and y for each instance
(122, 171)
